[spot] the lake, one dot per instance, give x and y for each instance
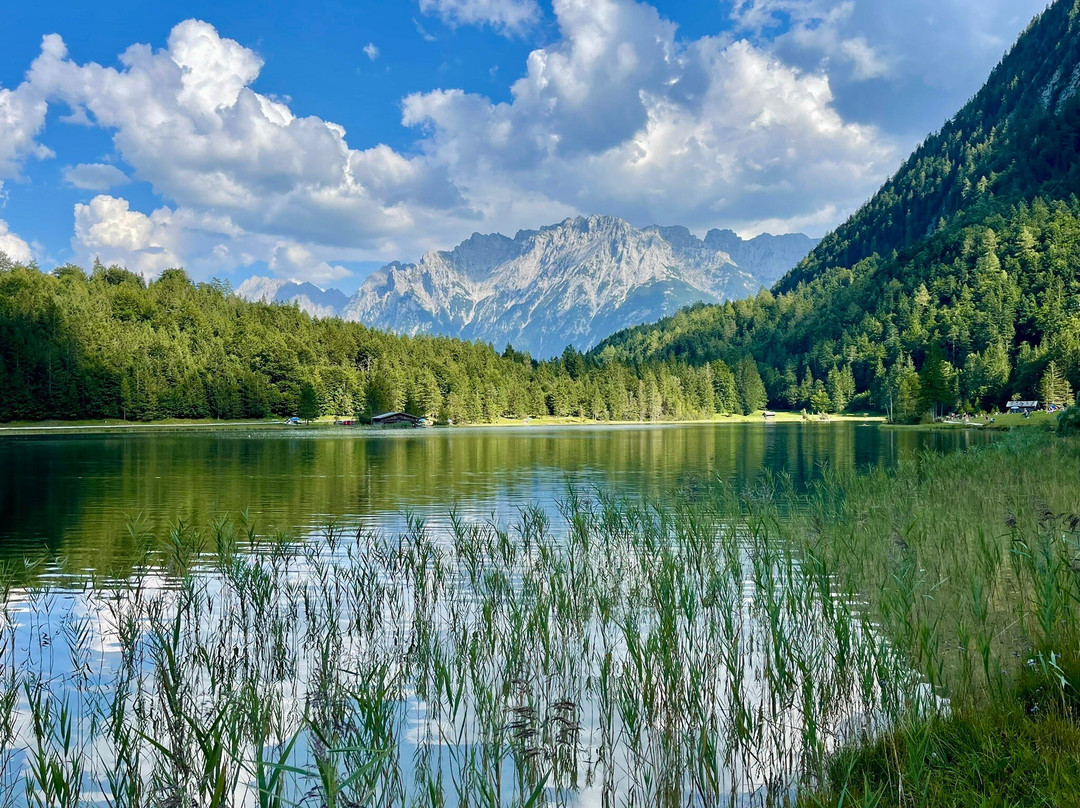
(517, 616)
(75, 496)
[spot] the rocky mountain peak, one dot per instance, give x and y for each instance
(573, 282)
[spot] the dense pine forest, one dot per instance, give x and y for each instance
(110, 345)
(973, 316)
(955, 287)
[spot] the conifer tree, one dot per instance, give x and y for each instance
(308, 408)
(752, 395)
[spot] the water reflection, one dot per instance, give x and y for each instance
(76, 496)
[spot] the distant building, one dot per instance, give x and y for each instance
(1022, 406)
(399, 419)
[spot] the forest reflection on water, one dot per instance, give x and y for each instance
(76, 496)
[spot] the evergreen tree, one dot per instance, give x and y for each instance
(910, 399)
(308, 408)
(841, 387)
(820, 401)
(935, 382)
(383, 391)
(1054, 389)
(725, 391)
(752, 395)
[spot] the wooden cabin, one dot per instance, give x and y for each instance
(399, 419)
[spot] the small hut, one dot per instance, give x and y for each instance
(1023, 406)
(398, 419)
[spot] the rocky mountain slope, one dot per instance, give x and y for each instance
(574, 282)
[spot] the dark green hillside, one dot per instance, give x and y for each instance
(1018, 138)
(956, 286)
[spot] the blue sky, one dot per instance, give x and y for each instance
(242, 139)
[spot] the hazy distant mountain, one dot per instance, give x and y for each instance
(309, 297)
(767, 257)
(574, 282)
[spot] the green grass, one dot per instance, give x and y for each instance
(1006, 421)
(999, 756)
(975, 559)
(781, 416)
(112, 426)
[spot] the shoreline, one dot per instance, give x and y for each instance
(115, 427)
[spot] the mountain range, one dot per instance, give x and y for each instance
(571, 283)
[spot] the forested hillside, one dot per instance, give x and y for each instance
(956, 286)
(1018, 138)
(109, 345)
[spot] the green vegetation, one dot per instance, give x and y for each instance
(954, 288)
(976, 561)
(893, 638)
(1069, 421)
(1014, 141)
(973, 316)
(110, 345)
(308, 407)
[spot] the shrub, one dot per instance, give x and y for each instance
(1068, 422)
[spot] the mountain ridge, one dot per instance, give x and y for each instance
(572, 282)
(997, 145)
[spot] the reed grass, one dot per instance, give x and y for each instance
(885, 638)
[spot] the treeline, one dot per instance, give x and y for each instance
(107, 344)
(977, 314)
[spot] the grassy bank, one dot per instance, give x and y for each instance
(113, 426)
(178, 425)
(901, 638)
(973, 562)
(1002, 422)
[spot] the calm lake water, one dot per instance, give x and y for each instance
(600, 654)
(76, 496)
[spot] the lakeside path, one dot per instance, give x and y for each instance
(58, 428)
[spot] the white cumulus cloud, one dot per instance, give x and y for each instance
(22, 117)
(619, 114)
(108, 229)
(371, 50)
(292, 260)
(932, 54)
(187, 122)
(14, 247)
